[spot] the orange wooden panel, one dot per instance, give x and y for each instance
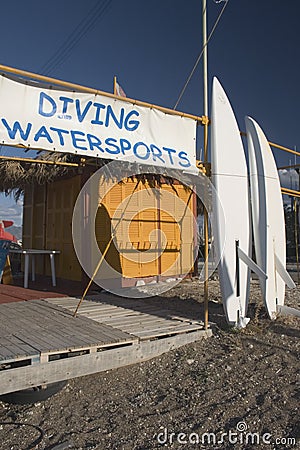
(130, 269)
(140, 232)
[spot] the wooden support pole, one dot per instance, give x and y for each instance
(296, 236)
(280, 147)
(285, 149)
(38, 161)
(205, 144)
(205, 248)
(290, 192)
(115, 86)
(79, 88)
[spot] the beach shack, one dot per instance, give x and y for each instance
(143, 226)
(155, 226)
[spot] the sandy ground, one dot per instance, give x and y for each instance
(237, 389)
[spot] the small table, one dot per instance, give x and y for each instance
(32, 252)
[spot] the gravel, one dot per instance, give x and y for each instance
(237, 389)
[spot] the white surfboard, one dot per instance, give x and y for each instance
(230, 178)
(267, 218)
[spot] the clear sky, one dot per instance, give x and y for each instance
(151, 46)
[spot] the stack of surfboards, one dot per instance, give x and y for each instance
(259, 208)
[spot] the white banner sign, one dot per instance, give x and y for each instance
(94, 126)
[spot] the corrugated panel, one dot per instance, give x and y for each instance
(140, 231)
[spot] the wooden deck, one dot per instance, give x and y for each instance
(41, 288)
(41, 342)
(132, 316)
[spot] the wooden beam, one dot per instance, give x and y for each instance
(38, 161)
(290, 192)
(280, 147)
(64, 369)
(78, 87)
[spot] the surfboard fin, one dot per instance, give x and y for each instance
(283, 273)
(288, 311)
(242, 322)
(251, 264)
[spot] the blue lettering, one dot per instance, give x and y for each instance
(170, 151)
(66, 101)
(76, 139)
(183, 155)
(110, 113)
(81, 115)
(43, 133)
(52, 104)
(97, 120)
(60, 132)
(156, 152)
(141, 144)
(112, 143)
(17, 127)
(125, 145)
(133, 123)
(94, 142)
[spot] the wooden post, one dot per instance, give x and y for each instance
(296, 237)
(115, 85)
(7, 277)
(205, 123)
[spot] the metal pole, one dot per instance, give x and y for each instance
(205, 110)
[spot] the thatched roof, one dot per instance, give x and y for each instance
(15, 175)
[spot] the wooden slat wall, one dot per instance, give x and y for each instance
(47, 222)
(139, 230)
(61, 197)
(28, 218)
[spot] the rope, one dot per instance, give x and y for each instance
(94, 274)
(22, 424)
(200, 56)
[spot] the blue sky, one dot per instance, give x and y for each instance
(152, 46)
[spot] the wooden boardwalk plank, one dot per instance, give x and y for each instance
(141, 310)
(48, 326)
(144, 321)
(37, 327)
(83, 325)
(128, 329)
(20, 347)
(148, 334)
(152, 326)
(93, 309)
(115, 311)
